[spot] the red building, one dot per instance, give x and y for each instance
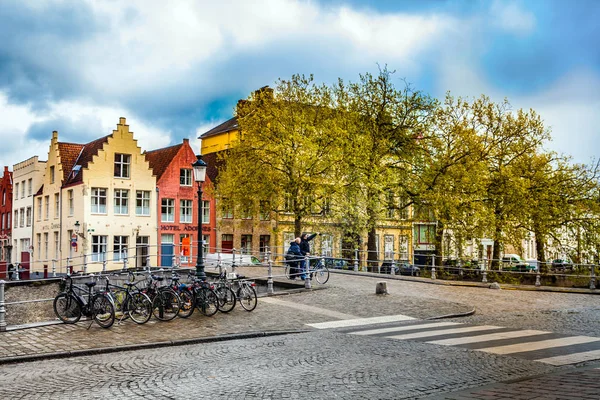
(6, 190)
(178, 206)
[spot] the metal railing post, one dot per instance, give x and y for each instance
(219, 263)
(233, 263)
(68, 266)
(537, 278)
(484, 276)
(54, 268)
(84, 264)
(125, 264)
(148, 266)
(593, 277)
(2, 307)
(433, 267)
(270, 273)
(18, 267)
(104, 266)
(174, 261)
(393, 268)
(306, 271)
(355, 260)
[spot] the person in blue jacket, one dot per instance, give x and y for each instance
(293, 257)
(305, 250)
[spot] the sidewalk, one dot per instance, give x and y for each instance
(269, 318)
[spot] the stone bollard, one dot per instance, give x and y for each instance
(593, 277)
(537, 279)
(2, 308)
(381, 288)
(432, 272)
(356, 260)
(495, 285)
(484, 276)
(306, 270)
(270, 273)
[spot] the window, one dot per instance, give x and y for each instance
(288, 203)
(56, 205)
(424, 234)
(46, 207)
(70, 199)
(8, 220)
(185, 211)
(56, 245)
(264, 210)
(403, 207)
(52, 174)
(22, 218)
(98, 201)
(23, 189)
(120, 248)
(264, 243)
(185, 247)
(391, 206)
(28, 216)
(185, 177)
(142, 202)
(246, 244)
(326, 245)
(39, 245)
(99, 248)
(227, 209)
(246, 212)
(388, 247)
(205, 243)
(205, 211)
(46, 245)
(16, 191)
(16, 218)
(30, 187)
(3, 218)
(167, 210)
(121, 201)
(122, 165)
(39, 209)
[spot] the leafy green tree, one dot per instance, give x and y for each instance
(383, 123)
(289, 152)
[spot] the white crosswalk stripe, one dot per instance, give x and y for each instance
(548, 348)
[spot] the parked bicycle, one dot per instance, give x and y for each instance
(165, 301)
(186, 295)
(246, 293)
(129, 301)
(318, 271)
(205, 298)
(225, 293)
(71, 304)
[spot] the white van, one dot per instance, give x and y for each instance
(514, 262)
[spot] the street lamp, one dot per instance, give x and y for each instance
(199, 176)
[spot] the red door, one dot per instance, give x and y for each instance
(24, 267)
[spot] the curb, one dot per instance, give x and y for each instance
(469, 284)
(182, 342)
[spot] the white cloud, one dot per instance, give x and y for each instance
(510, 17)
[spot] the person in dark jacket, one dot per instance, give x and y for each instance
(305, 250)
(293, 257)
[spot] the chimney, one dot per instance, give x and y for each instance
(122, 121)
(186, 141)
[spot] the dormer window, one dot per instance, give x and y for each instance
(122, 165)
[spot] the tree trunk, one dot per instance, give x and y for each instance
(372, 256)
(439, 240)
(297, 226)
(541, 251)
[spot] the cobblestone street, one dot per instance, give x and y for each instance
(327, 363)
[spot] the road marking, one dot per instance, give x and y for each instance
(305, 307)
(404, 328)
(541, 345)
(487, 337)
(360, 321)
(573, 358)
(439, 332)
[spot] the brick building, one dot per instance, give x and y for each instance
(5, 224)
(178, 206)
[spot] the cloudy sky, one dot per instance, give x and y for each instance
(175, 69)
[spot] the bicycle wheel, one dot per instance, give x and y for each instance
(139, 307)
(247, 297)
(165, 305)
(67, 308)
(226, 297)
(187, 304)
(103, 310)
(321, 275)
(207, 301)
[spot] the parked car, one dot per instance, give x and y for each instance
(514, 262)
(336, 263)
(561, 265)
(400, 268)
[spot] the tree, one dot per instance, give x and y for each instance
(384, 122)
(289, 151)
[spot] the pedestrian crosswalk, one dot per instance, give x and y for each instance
(535, 345)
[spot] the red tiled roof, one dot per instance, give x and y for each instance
(160, 159)
(88, 152)
(68, 155)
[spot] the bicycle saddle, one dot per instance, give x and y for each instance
(90, 284)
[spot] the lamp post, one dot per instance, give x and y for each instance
(199, 176)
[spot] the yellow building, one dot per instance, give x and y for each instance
(97, 206)
(394, 234)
